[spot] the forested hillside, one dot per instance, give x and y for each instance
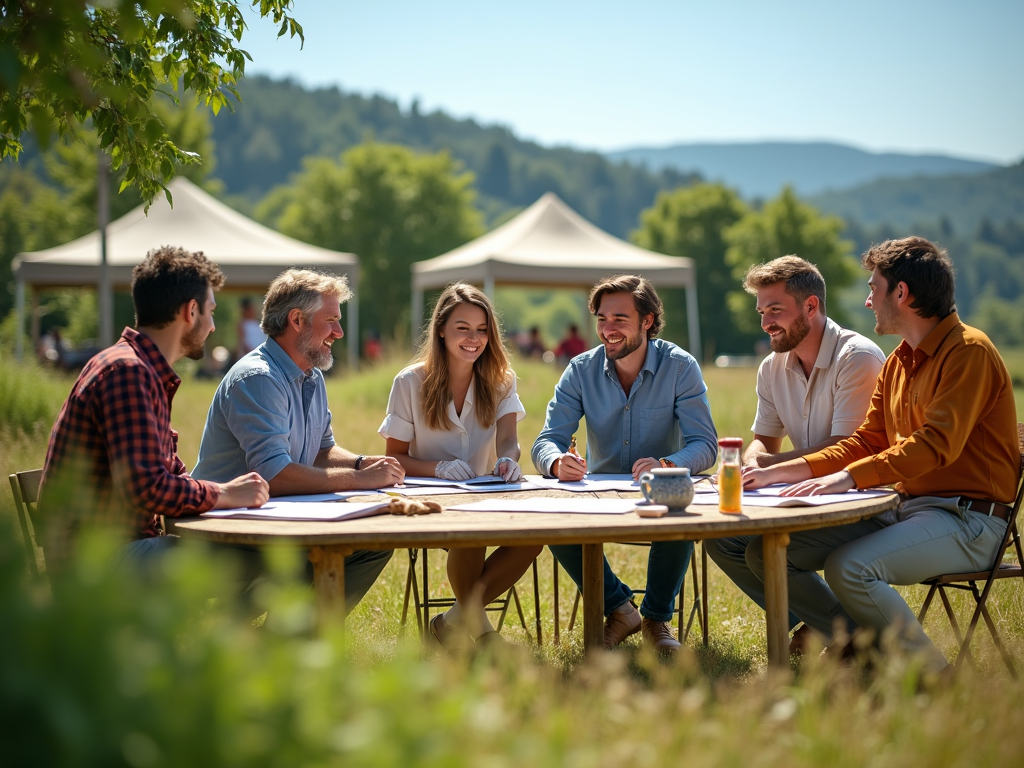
(262, 143)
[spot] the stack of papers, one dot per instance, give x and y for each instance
(582, 506)
(433, 486)
(591, 483)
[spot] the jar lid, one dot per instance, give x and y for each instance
(730, 442)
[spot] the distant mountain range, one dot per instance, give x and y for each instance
(759, 170)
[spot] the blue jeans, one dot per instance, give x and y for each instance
(362, 567)
(666, 568)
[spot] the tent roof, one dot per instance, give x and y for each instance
(249, 254)
(549, 244)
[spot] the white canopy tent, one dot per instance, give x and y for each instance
(249, 254)
(549, 244)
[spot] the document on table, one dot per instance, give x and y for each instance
(770, 497)
(440, 481)
(335, 496)
(582, 506)
(591, 483)
(451, 487)
(321, 511)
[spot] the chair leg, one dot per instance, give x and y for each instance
(927, 602)
(999, 643)
(557, 638)
(410, 583)
(504, 607)
(705, 616)
(575, 606)
(426, 594)
(952, 616)
(519, 609)
(536, 602)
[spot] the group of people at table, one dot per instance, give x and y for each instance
(936, 419)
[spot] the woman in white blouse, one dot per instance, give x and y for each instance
(453, 414)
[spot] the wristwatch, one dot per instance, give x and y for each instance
(666, 463)
(359, 460)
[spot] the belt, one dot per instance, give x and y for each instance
(985, 507)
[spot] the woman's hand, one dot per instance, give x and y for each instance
(456, 469)
(508, 469)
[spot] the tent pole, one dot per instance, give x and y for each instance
(106, 291)
(693, 320)
(417, 314)
(353, 332)
(19, 336)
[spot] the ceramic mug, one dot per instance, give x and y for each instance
(670, 486)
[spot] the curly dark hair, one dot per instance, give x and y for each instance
(168, 278)
(923, 266)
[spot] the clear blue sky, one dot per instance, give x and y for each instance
(912, 76)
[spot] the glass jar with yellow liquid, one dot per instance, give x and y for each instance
(730, 475)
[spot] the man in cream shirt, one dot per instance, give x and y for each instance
(815, 388)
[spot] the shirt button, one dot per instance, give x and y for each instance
(627, 442)
(627, 407)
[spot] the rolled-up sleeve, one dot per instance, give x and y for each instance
(399, 422)
(766, 421)
(258, 414)
(511, 404)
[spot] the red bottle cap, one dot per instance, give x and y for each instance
(730, 442)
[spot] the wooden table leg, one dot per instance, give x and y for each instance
(329, 585)
(776, 598)
(593, 596)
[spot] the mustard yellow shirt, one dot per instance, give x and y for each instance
(942, 422)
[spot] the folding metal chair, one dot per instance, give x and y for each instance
(417, 592)
(25, 489)
(698, 609)
(968, 582)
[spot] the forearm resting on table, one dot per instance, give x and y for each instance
(300, 479)
(399, 450)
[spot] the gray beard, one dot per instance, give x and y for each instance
(311, 349)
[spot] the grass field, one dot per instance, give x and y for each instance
(358, 403)
(210, 693)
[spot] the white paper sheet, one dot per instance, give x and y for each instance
(305, 510)
(590, 483)
(443, 490)
(582, 506)
(335, 496)
(440, 481)
(769, 497)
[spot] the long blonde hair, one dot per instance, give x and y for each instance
(492, 370)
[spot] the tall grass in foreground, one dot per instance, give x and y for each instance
(121, 671)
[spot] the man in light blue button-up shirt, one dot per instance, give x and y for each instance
(270, 413)
(645, 404)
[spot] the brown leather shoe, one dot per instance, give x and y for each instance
(619, 626)
(659, 636)
(800, 643)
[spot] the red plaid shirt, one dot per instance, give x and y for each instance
(112, 458)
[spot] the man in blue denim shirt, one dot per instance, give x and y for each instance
(646, 405)
(270, 412)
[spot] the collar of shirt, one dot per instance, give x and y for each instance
(650, 365)
(829, 342)
(911, 359)
(291, 371)
(148, 351)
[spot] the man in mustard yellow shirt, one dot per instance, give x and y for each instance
(941, 427)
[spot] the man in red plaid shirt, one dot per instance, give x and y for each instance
(112, 461)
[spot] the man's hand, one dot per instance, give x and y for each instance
(379, 472)
(642, 465)
(569, 467)
(838, 482)
(249, 490)
(757, 478)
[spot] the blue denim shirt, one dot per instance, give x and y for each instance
(665, 416)
(256, 421)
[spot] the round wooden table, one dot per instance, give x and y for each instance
(329, 543)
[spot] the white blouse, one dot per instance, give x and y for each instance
(465, 438)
